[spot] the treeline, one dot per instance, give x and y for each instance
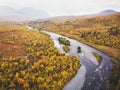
(101, 32)
(29, 61)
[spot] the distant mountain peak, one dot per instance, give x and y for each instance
(108, 11)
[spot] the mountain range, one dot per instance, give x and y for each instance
(28, 13)
(102, 13)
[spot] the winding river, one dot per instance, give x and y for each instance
(91, 75)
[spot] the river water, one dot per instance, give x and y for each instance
(91, 75)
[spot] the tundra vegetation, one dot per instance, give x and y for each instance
(29, 61)
(101, 32)
(98, 57)
(66, 48)
(79, 49)
(66, 44)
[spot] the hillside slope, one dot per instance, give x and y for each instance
(101, 32)
(29, 60)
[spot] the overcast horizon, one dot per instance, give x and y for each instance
(62, 7)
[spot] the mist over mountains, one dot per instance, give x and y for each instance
(71, 17)
(28, 13)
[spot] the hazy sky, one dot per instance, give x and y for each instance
(65, 7)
